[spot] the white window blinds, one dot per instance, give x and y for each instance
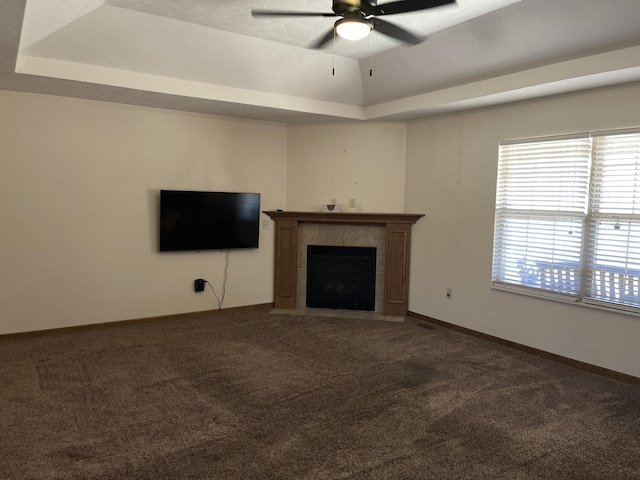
(613, 242)
(567, 219)
(541, 204)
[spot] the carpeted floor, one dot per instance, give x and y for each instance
(246, 394)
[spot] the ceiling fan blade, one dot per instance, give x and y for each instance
(324, 40)
(288, 13)
(393, 31)
(368, 7)
(404, 6)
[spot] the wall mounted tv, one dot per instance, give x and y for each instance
(208, 220)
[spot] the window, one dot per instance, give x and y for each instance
(567, 221)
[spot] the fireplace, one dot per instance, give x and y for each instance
(341, 277)
(392, 279)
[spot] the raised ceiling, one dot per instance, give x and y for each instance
(212, 56)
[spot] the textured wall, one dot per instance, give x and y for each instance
(364, 162)
(78, 209)
(451, 176)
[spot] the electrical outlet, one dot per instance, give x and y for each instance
(352, 203)
(198, 285)
(265, 224)
(449, 292)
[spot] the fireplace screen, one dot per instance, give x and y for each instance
(341, 277)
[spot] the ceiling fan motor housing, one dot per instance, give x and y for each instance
(345, 7)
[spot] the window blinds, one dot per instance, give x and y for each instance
(541, 205)
(613, 240)
(567, 218)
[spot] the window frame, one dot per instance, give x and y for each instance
(581, 292)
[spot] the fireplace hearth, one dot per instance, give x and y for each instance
(341, 277)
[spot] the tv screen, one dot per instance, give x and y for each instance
(208, 220)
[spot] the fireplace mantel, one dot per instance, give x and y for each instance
(346, 218)
(397, 251)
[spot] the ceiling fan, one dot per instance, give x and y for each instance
(359, 17)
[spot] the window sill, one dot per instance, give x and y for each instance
(568, 299)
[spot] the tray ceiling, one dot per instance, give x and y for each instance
(212, 56)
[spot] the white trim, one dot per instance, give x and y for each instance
(534, 292)
(554, 138)
(567, 300)
(571, 136)
(624, 131)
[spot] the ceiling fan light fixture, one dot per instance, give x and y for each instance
(353, 28)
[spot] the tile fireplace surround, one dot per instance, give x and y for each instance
(390, 233)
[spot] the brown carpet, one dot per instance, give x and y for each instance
(246, 394)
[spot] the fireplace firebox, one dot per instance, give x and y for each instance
(341, 277)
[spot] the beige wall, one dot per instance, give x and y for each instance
(451, 176)
(79, 179)
(78, 209)
(364, 161)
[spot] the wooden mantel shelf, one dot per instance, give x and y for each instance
(346, 217)
(397, 251)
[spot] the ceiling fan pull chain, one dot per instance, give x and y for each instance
(371, 55)
(334, 53)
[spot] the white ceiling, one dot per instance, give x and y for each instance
(212, 56)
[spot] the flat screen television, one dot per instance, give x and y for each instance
(208, 220)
